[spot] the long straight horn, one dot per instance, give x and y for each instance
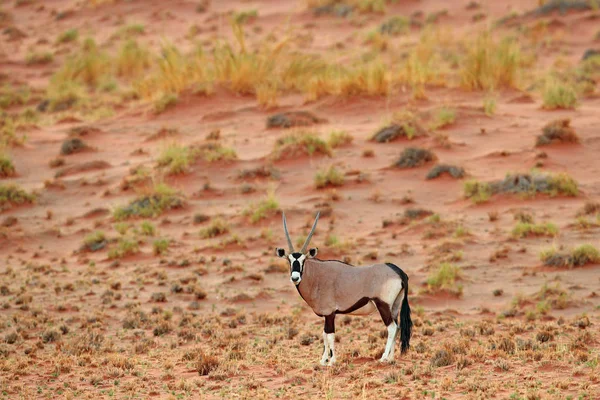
(287, 234)
(312, 231)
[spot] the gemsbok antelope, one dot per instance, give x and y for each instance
(332, 287)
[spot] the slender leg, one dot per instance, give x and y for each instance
(326, 350)
(388, 354)
(329, 338)
(386, 316)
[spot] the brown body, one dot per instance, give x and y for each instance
(330, 287)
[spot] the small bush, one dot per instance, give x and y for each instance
(265, 207)
(176, 158)
(148, 229)
(490, 64)
(11, 195)
(95, 241)
(68, 36)
(444, 117)
(478, 192)
(164, 102)
(72, 146)
(489, 106)
(213, 152)
(558, 94)
(330, 177)
(404, 124)
(445, 279)
(205, 364)
(217, 227)
(557, 131)
(125, 247)
(396, 25)
(524, 229)
(39, 58)
(439, 169)
(413, 157)
(299, 144)
(160, 199)
(7, 167)
(579, 256)
(160, 246)
(132, 60)
(339, 138)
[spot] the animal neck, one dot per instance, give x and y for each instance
(307, 284)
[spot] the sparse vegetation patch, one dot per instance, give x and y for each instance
(161, 199)
(524, 184)
(557, 131)
(445, 278)
(405, 124)
(578, 257)
(525, 229)
(292, 119)
(413, 157)
(299, 144)
(12, 195)
(440, 169)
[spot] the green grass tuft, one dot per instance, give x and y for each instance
(478, 192)
(12, 195)
(125, 247)
(148, 228)
(160, 246)
(264, 208)
(34, 58)
(579, 256)
(175, 158)
(525, 229)
(160, 199)
(445, 279)
(329, 177)
(297, 144)
(444, 117)
(558, 94)
(68, 36)
(7, 168)
(217, 227)
(339, 138)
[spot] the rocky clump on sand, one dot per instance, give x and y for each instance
(292, 119)
(452, 170)
(73, 145)
(413, 157)
(557, 131)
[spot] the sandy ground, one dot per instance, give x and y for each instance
(78, 324)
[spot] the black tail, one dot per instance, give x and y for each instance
(405, 320)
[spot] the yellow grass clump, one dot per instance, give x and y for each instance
(491, 64)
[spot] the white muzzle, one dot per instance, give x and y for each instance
(295, 278)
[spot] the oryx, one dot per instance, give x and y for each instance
(333, 287)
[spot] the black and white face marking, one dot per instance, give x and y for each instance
(296, 261)
(297, 267)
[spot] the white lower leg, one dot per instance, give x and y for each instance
(330, 342)
(389, 346)
(326, 350)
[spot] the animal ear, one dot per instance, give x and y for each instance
(312, 252)
(280, 252)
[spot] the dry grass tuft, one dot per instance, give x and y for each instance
(491, 64)
(300, 144)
